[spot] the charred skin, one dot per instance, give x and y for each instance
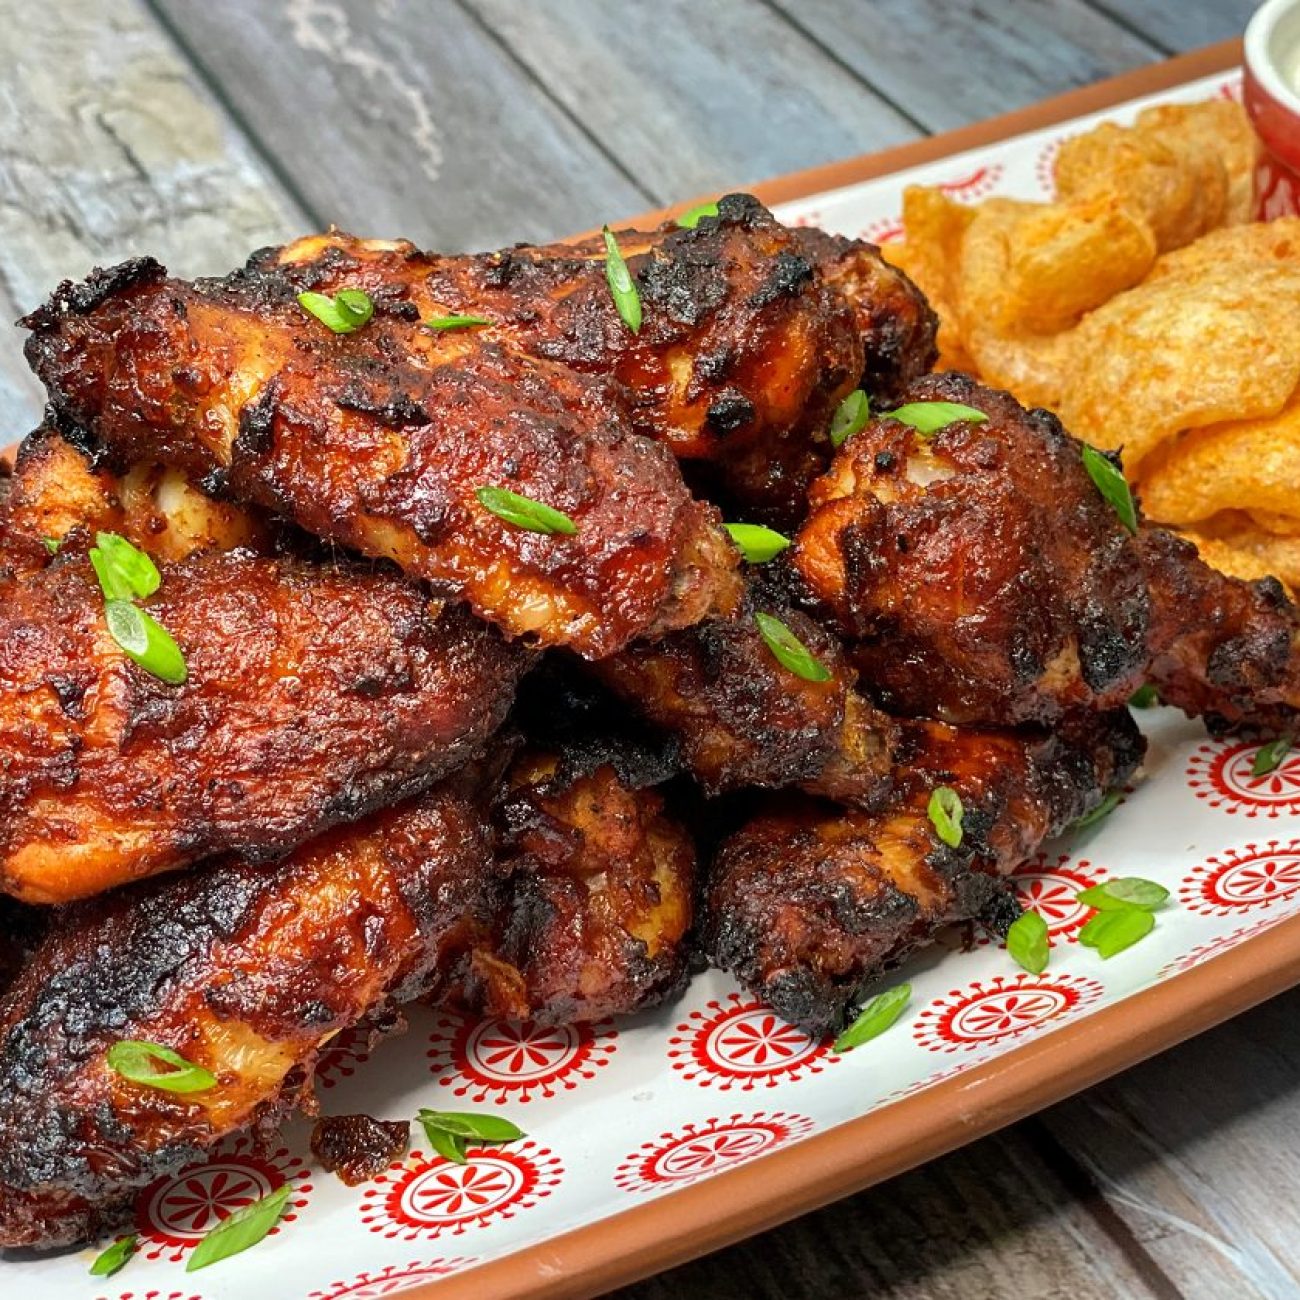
(21, 929)
(379, 440)
(742, 719)
(247, 971)
(314, 696)
(808, 904)
(977, 573)
(596, 895)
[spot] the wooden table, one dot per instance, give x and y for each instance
(200, 129)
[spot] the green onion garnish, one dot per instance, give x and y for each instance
(1099, 813)
(1145, 697)
(124, 571)
(850, 417)
(1027, 942)
(240, 1230)
(51, 544)
(145, 641)
(689, 220)
(455, 322)
(1268, 758)
(757, 544)
(945, 812)
(346, 311)
(789, 651)
(1112, 932)
(621, 286)
(1111, 483)
(109, 1261)
(1125, 891)
(524, 512)
(875, 1017)
(929, 417)
(451, 1132)
(137, 1061)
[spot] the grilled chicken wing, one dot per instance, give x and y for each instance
(314, 695)
(742, 719)
(246, 971)
(381, 438)
(806, 904)
(596, 896)
(980, 576)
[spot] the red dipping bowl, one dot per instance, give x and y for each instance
(1272, 97)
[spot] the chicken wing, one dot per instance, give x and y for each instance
(315, 694)
(807, 904)
(247, 972)
(382, 438)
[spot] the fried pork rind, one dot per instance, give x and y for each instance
(1232, 543)
(1209, 336)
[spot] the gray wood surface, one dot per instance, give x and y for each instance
(198, 130)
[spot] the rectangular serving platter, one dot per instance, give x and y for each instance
(656, 1139)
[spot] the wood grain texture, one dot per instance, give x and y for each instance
(108, 148)
(696, 97)
(1176, 25)
(948, 63)
(397, 118)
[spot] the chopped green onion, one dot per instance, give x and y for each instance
(114, 1258)
(524, 512)
(1126, 891)
(929, 417)
(451, 1132)
(789, 651)
(1268, 758)
(689, 220)
(137, 1061)
(1145, 697)
(124, 571)
(621, 286)
(1112, 932)
(455, 322)
(1099, 813)
(1027, 942)
(850, 417)
(757, 544)
(946, 812)
(51, 544)
(1110, 482)
(145, 641)
(875, 1017)
(346, 311)
(240, 1230)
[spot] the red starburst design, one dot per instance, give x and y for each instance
(1045, 164)
(344, 1054)
(742, 1044)
(159, 1295)
(1220, 944)
(512, 1061)
(884, 230)
(1221, 775)
(810, 218)
(1244, 879)
(975, 185)
(698, 1150)
(1049, 888)
(389, 1281)
(920, 1085)
(1005, 1007)
(1231, 89)
(427, 1196)
(173, 1214)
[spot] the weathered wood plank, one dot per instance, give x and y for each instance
(992, 1220)
(1198, 1152)
(109, 149)
(947, 63)
(393, 119)
(1184, 25)
(695, 97)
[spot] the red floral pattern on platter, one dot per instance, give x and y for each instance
(428, 1197)
(975, 185)
(1230, 90)
(885, 230)
(345, 1053)
(393, 1279)
(1003, 1008)
(1045, 165)
(151, 1294)
(1241, 880)
(1049, 888)
(929, 1080)
(1221, 775)
(174, 1214)
(1222, 943)
(512, 1061)
(698, 1150)
(739, 1043)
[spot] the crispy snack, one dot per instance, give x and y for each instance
(247, 971)
(314, 695)
(1234, 544)
(1209, 336)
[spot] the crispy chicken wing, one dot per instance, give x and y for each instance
(246, 971)
(315, 694)
(381, 438)
(980, 576)
(806, 904)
